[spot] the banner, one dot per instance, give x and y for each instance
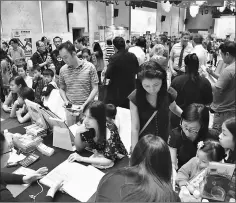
(25, 40)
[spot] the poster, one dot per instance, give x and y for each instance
(25, 40)
(96, 36)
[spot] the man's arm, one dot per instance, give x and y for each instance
(63, 94)
(62, 89)
(171, 62)
(92, 94)
(221, 84)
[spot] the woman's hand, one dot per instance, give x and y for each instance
(81, 129)
(210, 71)
(75, 157)
(35, 176)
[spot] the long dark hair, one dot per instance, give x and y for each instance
(192, 65)
(152, 70)
(200, 113)
(2, 141)
(150, 171)
(98, 112)
(98, 48)
(19, 80)
(230, 124)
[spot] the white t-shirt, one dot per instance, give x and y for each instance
(139, 53)
(29, 81)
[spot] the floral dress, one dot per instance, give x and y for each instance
(112, 148)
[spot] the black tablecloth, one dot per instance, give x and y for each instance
(58, 157)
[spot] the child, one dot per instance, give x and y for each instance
(111, 112)
(207, 151)
(48, 75)
(22, 71)
(38, 84)
(22, 114)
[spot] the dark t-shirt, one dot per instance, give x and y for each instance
(186, 149)
(114, 187)
(57, 61)
(38, 58)
(144, 116)
(190, 92)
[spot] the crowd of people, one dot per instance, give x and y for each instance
(170, 90)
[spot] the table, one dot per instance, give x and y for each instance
(58, 157)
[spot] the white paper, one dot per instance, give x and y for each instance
(80, 181)
(86, 184)
(73, 129)
(14, 157)
(17, 189)
(65, 171)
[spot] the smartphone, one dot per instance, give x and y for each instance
(90, 134)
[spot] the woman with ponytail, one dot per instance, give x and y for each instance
(191, 87)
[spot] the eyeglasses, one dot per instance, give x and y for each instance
(189, 130)
(7, 152)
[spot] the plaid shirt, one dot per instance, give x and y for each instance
(38, 85)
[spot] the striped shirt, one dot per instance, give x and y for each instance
(175, 55)
(110, 51)
(78, 81)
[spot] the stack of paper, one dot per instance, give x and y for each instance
(36, 130)
(80, 181)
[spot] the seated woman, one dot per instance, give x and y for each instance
(16, 84)
(22, 71)
(107, 148)
(193, 128)
(227, 139)
(9, 178)
(147, 179)
(22, 113)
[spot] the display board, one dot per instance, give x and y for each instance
(25, 40)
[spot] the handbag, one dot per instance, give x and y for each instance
(102, 90)
(147, 123)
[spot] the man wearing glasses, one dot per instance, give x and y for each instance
(39, 57)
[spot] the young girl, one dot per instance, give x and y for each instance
(16, 84)
(107, 148)
(22, 113)
(207, 151)
(22, 71)
(86, 55)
